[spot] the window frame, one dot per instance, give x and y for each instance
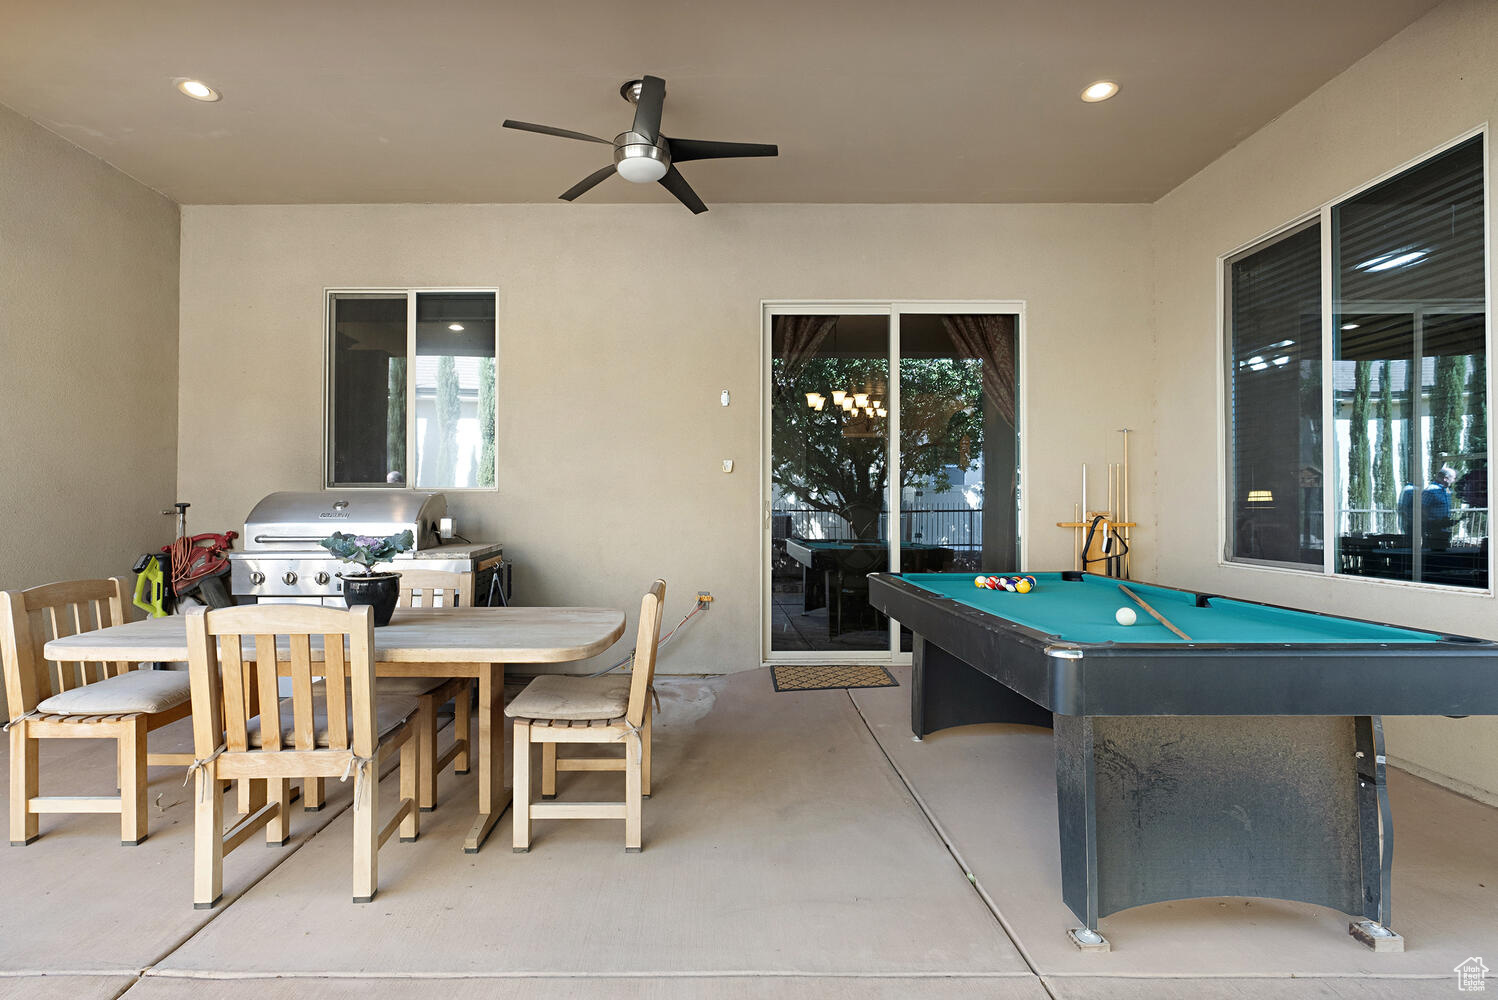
(1323, 214)
(410, 293)
(1227, 484)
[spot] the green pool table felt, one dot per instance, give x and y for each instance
(1082, 611)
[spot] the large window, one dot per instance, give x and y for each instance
(1403, 331)
(411, 389)
(1274, 395)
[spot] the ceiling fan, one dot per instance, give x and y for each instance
(643, 154)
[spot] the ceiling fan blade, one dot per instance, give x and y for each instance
(705, 149)
(548, 130)
(648, 108)
(677, 185)
(588, 182)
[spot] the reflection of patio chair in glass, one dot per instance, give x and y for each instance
(850, 564)
(850, 582)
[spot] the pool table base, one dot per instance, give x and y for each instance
(1154, 808)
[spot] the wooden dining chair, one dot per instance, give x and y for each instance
(52, 700)
(557, 708)
(336, 727)
(427, 589)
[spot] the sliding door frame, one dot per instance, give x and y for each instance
(893, 309)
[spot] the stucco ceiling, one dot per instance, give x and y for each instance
(870, 100)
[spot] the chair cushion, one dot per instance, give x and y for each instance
(559, 696)
(147, 691)
(390, 712)
(407, 687)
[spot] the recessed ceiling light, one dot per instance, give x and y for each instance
(455, 327)
(198, 90)
(1349, 326)
(1100, 91)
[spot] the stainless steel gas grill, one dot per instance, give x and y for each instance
(282, 562)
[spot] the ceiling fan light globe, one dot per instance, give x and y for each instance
(641, 169)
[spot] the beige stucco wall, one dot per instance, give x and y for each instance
(1427, 85)
(619, 326)
(88, 361)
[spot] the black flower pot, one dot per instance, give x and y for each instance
(379, 590)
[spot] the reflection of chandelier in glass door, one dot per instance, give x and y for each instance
(859, 407)
(851, 403)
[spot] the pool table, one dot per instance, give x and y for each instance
(1248, 761)
(831, 565)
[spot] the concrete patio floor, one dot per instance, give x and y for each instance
(797, 845)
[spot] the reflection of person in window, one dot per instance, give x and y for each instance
(1435, 509)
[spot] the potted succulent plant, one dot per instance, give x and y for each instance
(379, 590)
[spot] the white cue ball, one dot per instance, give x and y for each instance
(1125, 616)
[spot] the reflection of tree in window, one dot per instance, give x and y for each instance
(835, 462)
(448, 410)
(486, 422)
(395, 422)
(1385, 485)
(1359, 489)
(1446, 410)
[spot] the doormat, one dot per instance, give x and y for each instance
(799, 678)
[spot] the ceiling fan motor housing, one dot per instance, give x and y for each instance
(640, 160)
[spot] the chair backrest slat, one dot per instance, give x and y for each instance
(61, 623)
(235, 684)
(336, 679)
(303, 728)
(643, 671)
(270, 697)
(39, 630)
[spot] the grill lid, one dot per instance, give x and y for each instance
(293, 520)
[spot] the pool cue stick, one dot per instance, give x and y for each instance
(1110, 537)
(1107, 547)
(1076, 537)
(1128, 559)
(1082, 543)
(1158, 616)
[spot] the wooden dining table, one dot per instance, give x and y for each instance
(418, 642)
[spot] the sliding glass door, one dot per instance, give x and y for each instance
(959, 444)
(862, 396)
(829, 479)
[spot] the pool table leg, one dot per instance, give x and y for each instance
(1376, 831)
(1155, 808)
(946, 692)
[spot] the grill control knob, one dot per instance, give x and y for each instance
(289, 578)
(322, 579)
(257, 578)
